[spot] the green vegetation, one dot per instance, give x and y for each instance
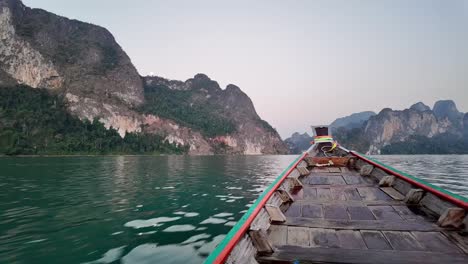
(440, 144)
(32, 121)
(177, 105)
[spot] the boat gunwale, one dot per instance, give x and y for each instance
(222, 251)
(439, 192)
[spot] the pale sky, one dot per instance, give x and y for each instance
(301, 62)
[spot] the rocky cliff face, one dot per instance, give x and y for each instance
(353, 120)
(398, 126)
(229, 107)
(84, 63)
(298, 143)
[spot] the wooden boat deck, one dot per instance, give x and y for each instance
(340, 216)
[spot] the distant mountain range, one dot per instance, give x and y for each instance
(416, 130)
(91, 79)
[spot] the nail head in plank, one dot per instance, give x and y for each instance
(435, 242)
(327, 238)
(403, 241)
(390, 191)
(276, 216)
(298, 236)
(350, 239)
(375, 240)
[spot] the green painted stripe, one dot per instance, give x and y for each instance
(244, 218)
(459, 197)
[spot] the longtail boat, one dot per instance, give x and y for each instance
(332, 205)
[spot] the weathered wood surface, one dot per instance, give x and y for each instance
(286, 254)
(362, 224)
(276, 216)
(339, 216)
(260, 242)
(393, 193)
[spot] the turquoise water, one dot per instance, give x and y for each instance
(142, 209)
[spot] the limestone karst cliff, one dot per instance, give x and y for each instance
(84, 64)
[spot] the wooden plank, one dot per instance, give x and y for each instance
(277, 235)
(298, 236)
(460, 241)
(260, 242)
(385, 212)
(310, 193)
(362, 224)
(375, 240)
(326, 238)
(406, 213)
(335, 212)
(402, 186)
(350, 239)
(338, 194)
(336, 180)
(372, 194)
(352, 194)
(344, 170)
(324, 194)
(318, 180)
(334, 170)
(403, 241)
(393, 193)
(435, 242)
(312, 211)
(276, 216)
(352, 203)
(351, 179)
(294, 210)
(435, 204)
(360, 213)
(291, 254)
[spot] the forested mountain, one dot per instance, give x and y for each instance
(417, 130)
(82, 65)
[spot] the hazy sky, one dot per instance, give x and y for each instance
(301, 62)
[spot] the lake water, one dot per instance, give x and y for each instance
(142, 209)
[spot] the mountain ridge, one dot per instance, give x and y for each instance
(416, 130)
(84, 64)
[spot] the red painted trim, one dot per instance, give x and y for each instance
(227, 250)
(438, 193)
